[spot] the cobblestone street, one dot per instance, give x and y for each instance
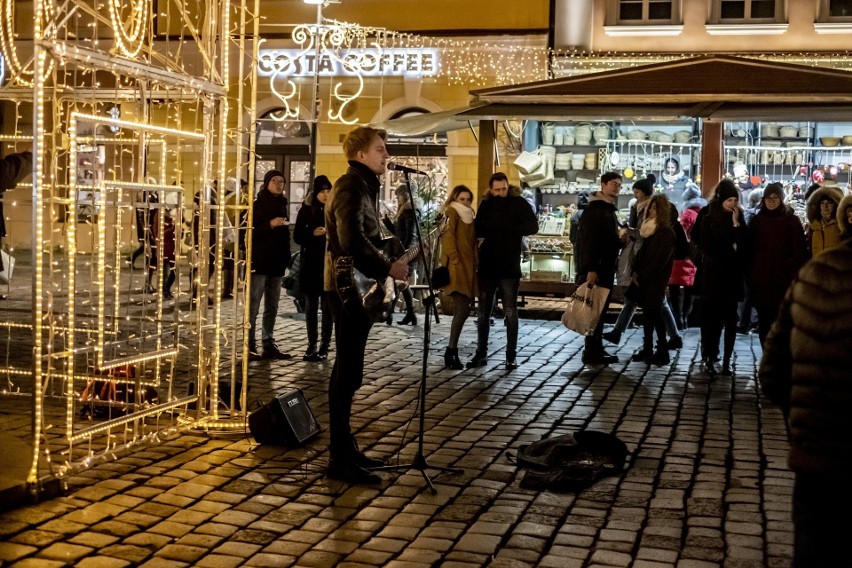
(706, 483)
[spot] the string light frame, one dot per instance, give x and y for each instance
(90, 166)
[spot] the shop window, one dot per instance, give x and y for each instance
(633, 12)
(737, 11)
(271, 131)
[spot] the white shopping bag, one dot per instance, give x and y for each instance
(8, 267)
(584, 309)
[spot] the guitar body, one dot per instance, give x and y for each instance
(371, 298)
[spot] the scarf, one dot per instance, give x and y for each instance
(465, 212)
(648, 228)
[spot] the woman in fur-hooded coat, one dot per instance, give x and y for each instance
(844, 212)
(823, 230)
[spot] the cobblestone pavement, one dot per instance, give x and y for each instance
(706, 483)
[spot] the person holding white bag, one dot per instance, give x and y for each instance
(598, 243)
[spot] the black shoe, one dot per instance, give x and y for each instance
(511, 363)
(642, 356)
(675, 342)
(479, 360)
(726, 369)
(409, 318)
(167, 296)
(148, 289)
(311, 355)
(254, 355)
(660, 357)
(322, 352)
(352, 473)
(366, 462)
(272, 352)
(598, 358)
(613, 336)
(451, 359)
(710, 367)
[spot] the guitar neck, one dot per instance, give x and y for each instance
(410, 254)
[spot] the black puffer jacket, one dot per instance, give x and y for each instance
(807, 363)
(724, 251)
(503, 222)
(312, 259)
(353, 224)
(270, 246)
(597, 242)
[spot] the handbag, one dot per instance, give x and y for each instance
(584, 309)
(8, 266)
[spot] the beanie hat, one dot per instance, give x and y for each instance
(773, 189)
(269, 175)
(320, 183)
(726, 189)
(646, 185)
(692, 191)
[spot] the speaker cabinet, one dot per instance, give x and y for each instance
(285, 420)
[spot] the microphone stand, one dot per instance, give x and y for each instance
(420, 463)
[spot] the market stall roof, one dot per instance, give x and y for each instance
(721, 87)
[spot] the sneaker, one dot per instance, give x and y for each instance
(311, 355)
(675, 342)
(272, 352)
(598, 358)
(613, 336)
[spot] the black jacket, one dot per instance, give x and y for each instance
(13, 168)
(312, 257)
(405, 227)
(352, 221)
(503, 222)
(597, 242)
(270, 252)
(724, 251)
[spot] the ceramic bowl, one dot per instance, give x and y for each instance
(847, 140)
(829, 141)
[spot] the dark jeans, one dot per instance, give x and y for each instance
(313, 302)
(488, 288)
(350, 338)
(651, 322)
(681, 299)
(268, 289)
(718, 313)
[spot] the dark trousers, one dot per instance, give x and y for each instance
(681, 299)
(594, 342)
(488, 288)
(716, 314)
(313, 303)
(821, 520)
(765, 318)
(350, 338)
(653, 321)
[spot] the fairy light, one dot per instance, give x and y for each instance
(130, 42)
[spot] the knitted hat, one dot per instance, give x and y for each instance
(269, 175)
(646, 185)
(320, 183)
(773, 189)
(726, 189)
(692, 191)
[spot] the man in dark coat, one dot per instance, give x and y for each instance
(270, 257)
(806, 370)
(13, 168)
(502, 222)
(596, 253)
(352, 222)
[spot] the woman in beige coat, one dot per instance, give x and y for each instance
(458, 254)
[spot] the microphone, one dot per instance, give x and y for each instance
(400, 168)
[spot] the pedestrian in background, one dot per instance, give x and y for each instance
(681, 285)
(722, 240)
(823, 230)
(458, 254)
(777, 250)
(598, 243)
(652, 270)
(270, 257)
(805, 369)
(310, 232)
(404, 226)
(502, 221)
(844, 218)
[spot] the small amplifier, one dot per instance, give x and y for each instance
(285, 420)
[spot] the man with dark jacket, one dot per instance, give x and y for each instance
(596, 254)
(502, 222)
(352, 222)
(270, 257)
(806, 370)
